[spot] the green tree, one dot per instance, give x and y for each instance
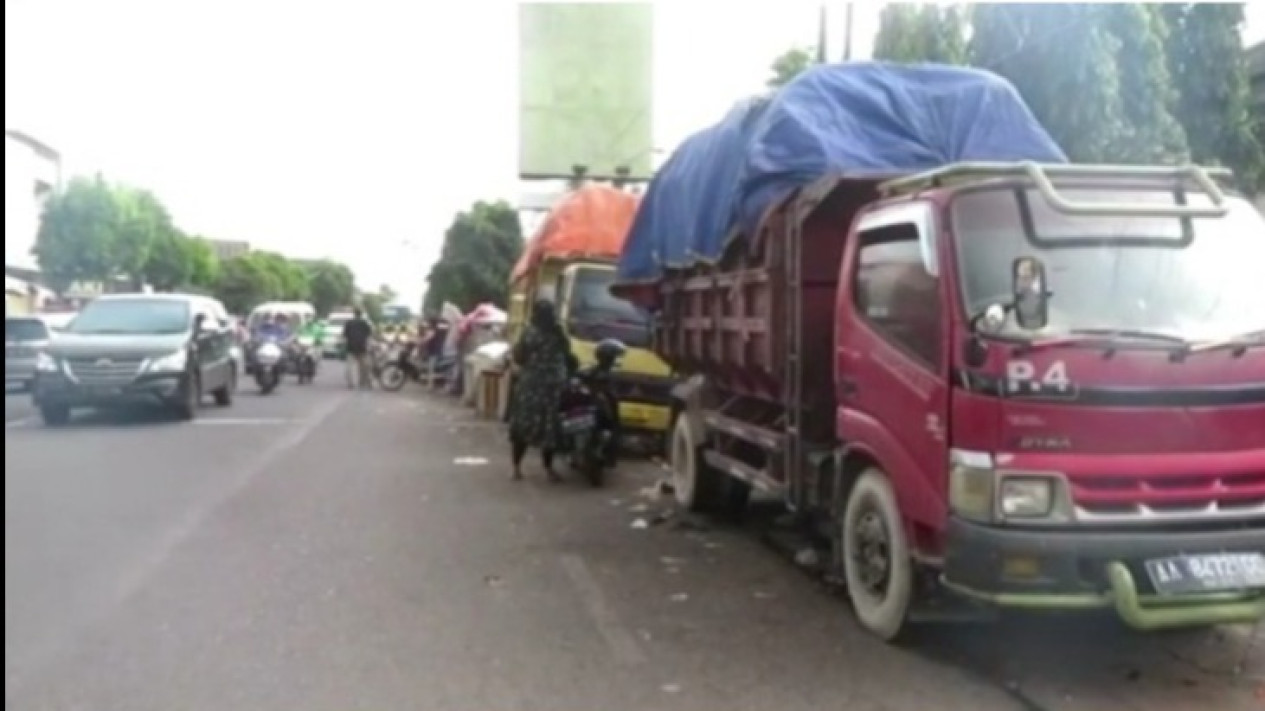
(1148, 99)
(290, 277)
(480, 249)
(169, 264)
(1208, 66)
(373, 306)
(1062, 59)
(78, 231)
(330, 283)
(921, 33)
(247, 281)
(145, 223)
(789, 65)
(205, 264)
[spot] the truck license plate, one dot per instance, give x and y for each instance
(1219, 572)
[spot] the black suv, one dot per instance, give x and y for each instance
(125, 348)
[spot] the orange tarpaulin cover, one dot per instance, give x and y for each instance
(591, 222)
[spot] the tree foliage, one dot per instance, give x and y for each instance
(479, 252)
(1062, 60)
(93, 231)
(921, 33)
(331, 284)
(1209, 70)
(79, 229)
(1114, 83)
(789, 65)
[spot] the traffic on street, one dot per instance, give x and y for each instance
(325, 549)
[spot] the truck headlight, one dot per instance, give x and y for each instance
(1026, 497)
(45, 363)
(981, 491)
(170, 363)
(971, 485)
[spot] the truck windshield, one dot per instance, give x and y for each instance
(133, 317)
(1193, 279)
(594, 314)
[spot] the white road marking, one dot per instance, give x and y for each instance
(243, 421)
(622, 643)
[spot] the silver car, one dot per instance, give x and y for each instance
(25, 337)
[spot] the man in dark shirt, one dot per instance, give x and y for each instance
(439, 329)
(356, 336)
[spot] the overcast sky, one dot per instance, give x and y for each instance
(348, 130)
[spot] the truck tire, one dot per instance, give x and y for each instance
(698, 486)
(874, 554)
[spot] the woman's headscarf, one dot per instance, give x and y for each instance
(544, 316)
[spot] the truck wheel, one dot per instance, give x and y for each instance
(870, 538)
(698, 486)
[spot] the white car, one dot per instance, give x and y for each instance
(332, 340)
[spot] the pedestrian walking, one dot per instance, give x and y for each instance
(541, 356)
(356, 336)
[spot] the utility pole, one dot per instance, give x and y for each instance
(847, 32)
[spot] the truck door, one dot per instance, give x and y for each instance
(891, 368)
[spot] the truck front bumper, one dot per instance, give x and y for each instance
(1086, 570)
(645, 402)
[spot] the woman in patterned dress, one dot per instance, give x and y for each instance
(542, 358)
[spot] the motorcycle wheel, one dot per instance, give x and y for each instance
(392, 377)
(267, 382)
(592, 463)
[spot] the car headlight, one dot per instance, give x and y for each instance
(1026, 497)
(981, 491)
(45, 363)
(170, 363)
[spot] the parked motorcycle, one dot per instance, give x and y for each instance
(590, 415)
(401, 366)
(408, 365)
(268, 365)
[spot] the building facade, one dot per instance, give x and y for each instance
(32, 172)
(227, 249)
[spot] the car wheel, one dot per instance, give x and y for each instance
(55, 415)
(224, 396)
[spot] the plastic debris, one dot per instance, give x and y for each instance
(679, 597)
(640, 524)
(671, 688)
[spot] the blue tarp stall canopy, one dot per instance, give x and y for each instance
(858, 120)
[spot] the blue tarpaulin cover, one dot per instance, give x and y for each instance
(859, 119)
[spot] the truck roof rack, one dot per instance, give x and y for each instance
(1040, 174)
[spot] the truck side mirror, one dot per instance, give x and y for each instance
(1031, 299)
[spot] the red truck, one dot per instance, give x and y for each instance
(1033, 386)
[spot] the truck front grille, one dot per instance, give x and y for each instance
(1170, 498)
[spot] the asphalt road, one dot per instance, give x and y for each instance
(326, 550)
